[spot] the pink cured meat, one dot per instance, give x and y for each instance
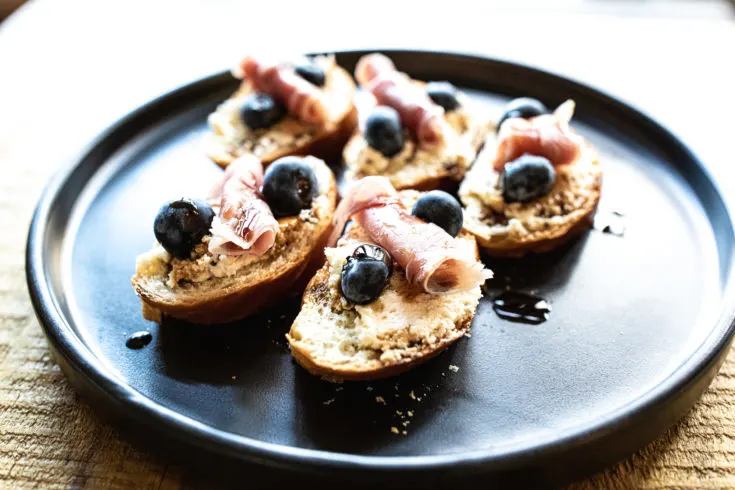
(431, 258)
(302, 99)
(549, 136)
(377, 74)
(244, 224)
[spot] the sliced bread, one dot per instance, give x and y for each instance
(514, 229)
(207, 288)
(402, 328)
(231, 138)
(417, 167)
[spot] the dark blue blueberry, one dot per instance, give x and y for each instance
(523, 107)
(365, 274)
(180, 225)
(311, 72)
(261, 111)
(440, 208)
(527, 178)
(443, 94)
(289, 185)
(383, 131)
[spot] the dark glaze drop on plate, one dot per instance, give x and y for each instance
(138, 340)
(521, 307)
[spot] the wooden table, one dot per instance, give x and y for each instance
(80, 64)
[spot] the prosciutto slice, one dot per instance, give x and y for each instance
(548, 135)
(244, 224)
(378, 75)
(431, 258)
(302, 99)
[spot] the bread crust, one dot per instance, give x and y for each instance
(227, 306)
(515, 249)
(325, 143)
(241, 300)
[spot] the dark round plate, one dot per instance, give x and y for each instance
(639, 326)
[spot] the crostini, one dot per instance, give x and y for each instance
(399, 287)
(242, 250)
(419, 135)
(284, 108)
(533, 186)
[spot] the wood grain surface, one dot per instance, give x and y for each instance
(67, 69)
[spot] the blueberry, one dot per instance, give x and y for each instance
(439, 208)
(311, 72)
(383, 131)
(289, 185)
(365, 274)
(443, 94)
(180, 225)
(527, 178)
(524, 107)
(261, 111)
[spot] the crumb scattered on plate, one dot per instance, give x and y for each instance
(453, 368)
(394, 430)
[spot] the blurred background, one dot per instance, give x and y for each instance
(700, 8)
(621, 7)
(638, 50)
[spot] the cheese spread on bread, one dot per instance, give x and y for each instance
(416, 163)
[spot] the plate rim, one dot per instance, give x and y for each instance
(65, 343)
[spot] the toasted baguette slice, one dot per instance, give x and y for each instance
(230, 138)
(402, 328)
(515, 229)
(210, 289)
(415, 167)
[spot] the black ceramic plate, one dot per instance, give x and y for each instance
(640, 322)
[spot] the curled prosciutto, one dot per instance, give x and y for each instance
(303, 99)
(244, 224)
(378, 75)
(548, 136)
(431, 258)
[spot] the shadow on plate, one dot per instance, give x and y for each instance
(535, 271)
(219, 354)
(363, 416)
